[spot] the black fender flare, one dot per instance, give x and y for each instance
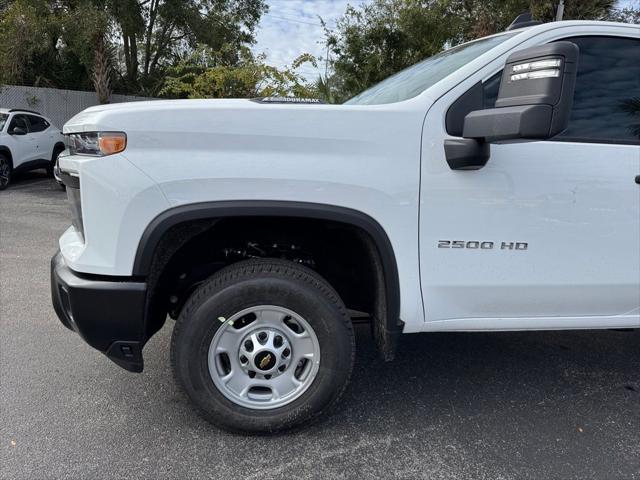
(249, 208)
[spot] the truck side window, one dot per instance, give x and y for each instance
(606, 104)
(490, 89)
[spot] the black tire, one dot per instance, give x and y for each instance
(54, 156)
(263, 282)
(6, 171)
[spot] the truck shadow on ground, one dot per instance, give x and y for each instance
(551, 383)
(518, 376)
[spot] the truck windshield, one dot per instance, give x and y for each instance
(414, 80)
(3, 120)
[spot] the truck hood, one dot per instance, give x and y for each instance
(102, 117)
(243, 132)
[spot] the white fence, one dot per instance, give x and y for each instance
(58, 105)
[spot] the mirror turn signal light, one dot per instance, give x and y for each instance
(551, 73)
(549, 68)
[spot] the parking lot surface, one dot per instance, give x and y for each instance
(550, 405)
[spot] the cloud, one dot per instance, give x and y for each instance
(292, 27)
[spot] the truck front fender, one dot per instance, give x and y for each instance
(387, 325)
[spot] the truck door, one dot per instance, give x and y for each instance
(547, 234)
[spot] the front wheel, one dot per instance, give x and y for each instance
(263, 346)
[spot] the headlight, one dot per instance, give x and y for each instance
(97, 143)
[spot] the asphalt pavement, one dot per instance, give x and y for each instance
(545, 405)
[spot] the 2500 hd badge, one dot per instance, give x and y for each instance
(476, 245)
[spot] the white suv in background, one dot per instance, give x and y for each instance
(27, 141)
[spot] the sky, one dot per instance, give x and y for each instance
(292, 27)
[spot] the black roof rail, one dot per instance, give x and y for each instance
(23, 110)
(523, 20)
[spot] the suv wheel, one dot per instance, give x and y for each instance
(262, 346)
(5, 171)
(52, 164)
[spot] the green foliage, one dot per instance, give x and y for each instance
(200, 48)
(33, 101)
(26, 35)
(85, 30)
(378, 39)
(158, 34)
(203, 75)
(325, 92)
(626, 15)
(82, 25)
(47, 43)
(130, 43)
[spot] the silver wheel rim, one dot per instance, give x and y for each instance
(264, 357)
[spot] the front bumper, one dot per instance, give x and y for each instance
(107, 313)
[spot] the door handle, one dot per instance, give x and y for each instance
(638, 179)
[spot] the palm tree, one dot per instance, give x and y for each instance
(102, 69)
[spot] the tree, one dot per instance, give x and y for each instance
(55, 44)
(378, 39)
(626, 15)
(325, 89)
(486, 17)
(126, 44)
(157, 34)
(27, 36)
(86, 31)
(203, 75)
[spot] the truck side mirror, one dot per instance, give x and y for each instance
(534, 103)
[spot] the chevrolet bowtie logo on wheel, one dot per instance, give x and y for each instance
(265, 361)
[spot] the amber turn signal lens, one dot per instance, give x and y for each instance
(112, 142)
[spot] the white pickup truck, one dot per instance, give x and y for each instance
(491, 187)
